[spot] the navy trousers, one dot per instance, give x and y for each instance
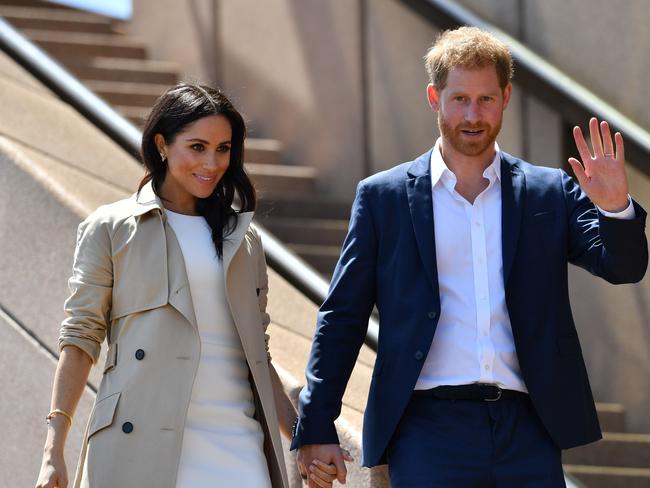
(473, 444)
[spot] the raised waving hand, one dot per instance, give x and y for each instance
(601, 175)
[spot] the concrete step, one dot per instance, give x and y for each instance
(322, 258)
(308, 231)
(121, 93)
(609, 476)
(611, 417)
(122, 70)
(41, 18)
(82, 44)
(277, 178)
(314, 207)
(614, 449)
(263, 151)
(136, 115)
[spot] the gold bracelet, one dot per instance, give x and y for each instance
(54, 412)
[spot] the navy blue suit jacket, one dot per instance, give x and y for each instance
(388, 259)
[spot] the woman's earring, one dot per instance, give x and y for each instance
(163, 157)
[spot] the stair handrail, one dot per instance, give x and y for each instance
(55, 77)
(566, 96)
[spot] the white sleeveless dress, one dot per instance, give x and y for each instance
(222, 442)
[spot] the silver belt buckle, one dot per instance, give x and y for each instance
(498, 397)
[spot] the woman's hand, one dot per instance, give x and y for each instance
(53, 471)
(323, 475)
(320, 474)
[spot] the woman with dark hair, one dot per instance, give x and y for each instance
(174, 279)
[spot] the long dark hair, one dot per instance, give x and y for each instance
(177, 108)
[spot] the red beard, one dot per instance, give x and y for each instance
(466, 144)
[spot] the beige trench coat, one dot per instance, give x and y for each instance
(129, 287)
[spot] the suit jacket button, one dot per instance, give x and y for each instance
(127, 427)
(419, 355)
(139, 354)
(432, 315)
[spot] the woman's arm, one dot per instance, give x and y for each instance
(69, 381)
(286, 411)
(81, 335)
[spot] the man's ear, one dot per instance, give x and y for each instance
(433, 97)
(507, 93)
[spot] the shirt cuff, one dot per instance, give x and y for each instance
(627, 214)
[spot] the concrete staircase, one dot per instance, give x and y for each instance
(116, 68)
(619, 460)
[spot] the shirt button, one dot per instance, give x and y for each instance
(432, 315)
(487, 367)
(419, 355)
(127, 427)
(139, 354)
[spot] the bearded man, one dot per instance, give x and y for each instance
(479, 379)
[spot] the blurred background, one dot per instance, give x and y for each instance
(333, 91)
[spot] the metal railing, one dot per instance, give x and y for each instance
(286, 263)
(574, 102)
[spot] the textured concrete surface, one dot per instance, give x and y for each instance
(25, 380)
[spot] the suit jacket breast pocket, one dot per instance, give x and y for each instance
(542, 217)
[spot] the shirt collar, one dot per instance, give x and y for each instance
(440, 171)
(146, 200)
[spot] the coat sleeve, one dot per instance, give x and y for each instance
(91, 284)
(341, 328)
(614, 249)
(262, 286)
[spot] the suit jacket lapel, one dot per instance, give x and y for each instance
(418, 190)
(513, 192)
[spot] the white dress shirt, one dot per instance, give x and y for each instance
(473, 341)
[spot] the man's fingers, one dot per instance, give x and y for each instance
(581, 144)
(578, 170)
(608, 144)
(620, 147)
(596, 141)
(347, 456)
(341, 471)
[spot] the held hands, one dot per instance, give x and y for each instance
(321, 464)
(601, 176)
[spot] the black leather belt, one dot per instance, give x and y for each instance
(485, 392)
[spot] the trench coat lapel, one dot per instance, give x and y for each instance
(178, 288)
(232, 242)
(178, 284)
(513, 192)
(420, 200)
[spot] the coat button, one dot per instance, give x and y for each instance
(139, 354)
(432, 315)
(127, 427)
(419, 355)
